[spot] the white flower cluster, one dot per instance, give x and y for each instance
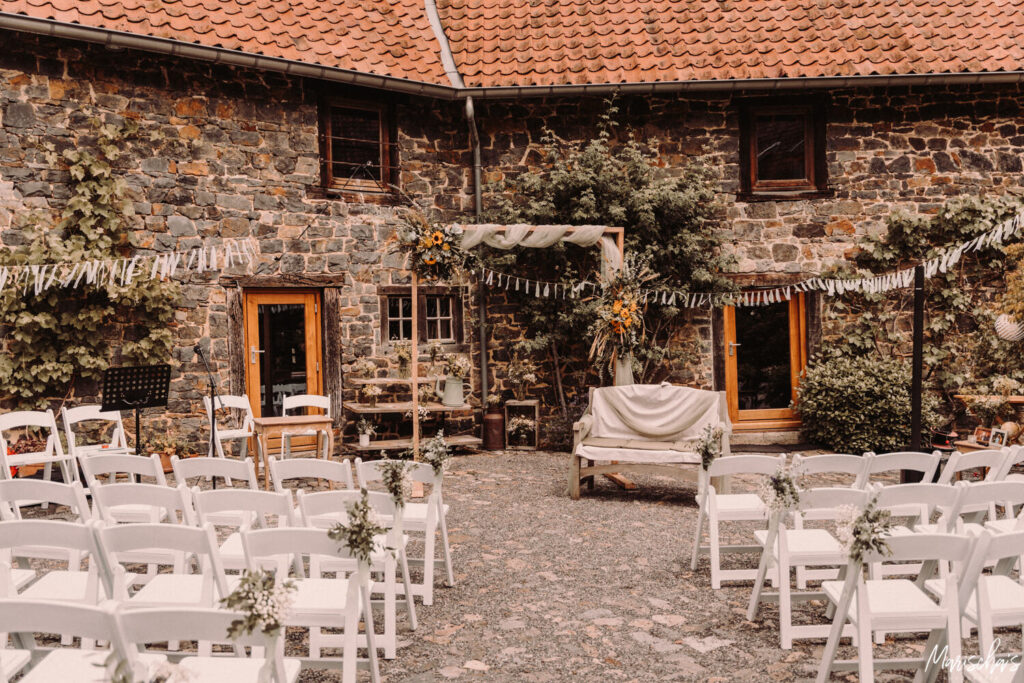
(262, 600)
(846, 524)
(436, 453)
(781, 491)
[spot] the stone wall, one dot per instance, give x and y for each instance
(227, 152)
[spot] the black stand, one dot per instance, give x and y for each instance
(135, 388)
(213, 402)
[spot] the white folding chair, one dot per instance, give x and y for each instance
(52, 453)
(110, 419)
(155, 625)
(420, 518)
(24, 618)
(852, 467)
(902, 605)
(1013, 458)
(976, 505)
(137, 469)
(925, 464)
(242, 509)
(715, 508)
(300, 402)
(321, 510)
(310, 468)
(245, 431)
(189, 470)
(992, 460)
(787, 549)
(319, 601)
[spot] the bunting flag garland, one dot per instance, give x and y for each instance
(877, 284)
(38, 278)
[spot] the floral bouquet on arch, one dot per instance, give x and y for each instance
(618, 327)
(435, 251)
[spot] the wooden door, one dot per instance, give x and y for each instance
(765, 355)
(282, 347)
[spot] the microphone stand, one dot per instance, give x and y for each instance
(213, 403)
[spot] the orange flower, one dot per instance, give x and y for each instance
(446, 246)
(617, 306)
(430, 260)
(438, 237)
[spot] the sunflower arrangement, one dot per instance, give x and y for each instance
(618, 328)
(435, 251)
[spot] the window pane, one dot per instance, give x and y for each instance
(780, 147)
(394, 329)
(355, 144)
(394, 306)
(432, 330)
(406, 306)
(432, 306)
(445, 331)
(445, 305)
(406, 329)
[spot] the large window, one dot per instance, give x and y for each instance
(355, 146)
(782, 149)
(439, 314)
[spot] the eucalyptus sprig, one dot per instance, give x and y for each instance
(864, 531)
(709, 446)
(358, 535)
(781, 491)
(263, 602)
(393, 474)
(436, 453)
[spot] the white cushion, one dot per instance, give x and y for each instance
(318, 599)
(170, 589)
(740, 506)
(1005, 595)
(12, 661)
(81, 666)
(808, 546)
(638, 455)
(60, 585)
(220, 669)
(892, 602)
(992, 672)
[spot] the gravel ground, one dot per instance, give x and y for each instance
(551, 589)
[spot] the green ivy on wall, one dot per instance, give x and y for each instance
(60, 335)
(961, 350)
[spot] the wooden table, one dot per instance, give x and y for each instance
(267, 427)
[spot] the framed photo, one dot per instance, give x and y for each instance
(982, 435)
(999, 438)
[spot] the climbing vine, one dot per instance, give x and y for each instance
(961, 350)
(53, 338)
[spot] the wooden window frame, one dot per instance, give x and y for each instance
(385, 113)
(458, 317)
(815, 180)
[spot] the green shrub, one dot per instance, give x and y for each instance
(853, 404)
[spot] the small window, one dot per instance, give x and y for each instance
(440, 315)
(355, 147)
(782, 148)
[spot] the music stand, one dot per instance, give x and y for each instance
(135, 388)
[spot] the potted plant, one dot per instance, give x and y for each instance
(165, 446)
(365, 429)
(521, 373)
(370, 393)
(363, 368)
(457, 369)
(1011, 303)
(521, 430)
(403, 353)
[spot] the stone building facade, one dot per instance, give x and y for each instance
(226, 152)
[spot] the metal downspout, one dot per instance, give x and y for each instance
(474, 139)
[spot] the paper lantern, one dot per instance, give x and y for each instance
(1009, 329)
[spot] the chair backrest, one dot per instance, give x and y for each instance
(298, 401)
(746, 464)
(137, 627)
(174, 500)
(135, 466)
(981, 496)
(231, 402)
(369, 470)
(993, 459)
(954, 548)
(1013, 458)
(309, 468)
(25, 617)
(922, 498)
(29, 419)
(92, 413)
(326, 504)
(840, 463)
(253, 504)
(27, 535)
(826, 502)
(225, 468)
(15, 492)
(924, 463)
(1006, 549)
(265, 548)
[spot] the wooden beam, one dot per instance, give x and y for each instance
(286, 280)
(417, 487)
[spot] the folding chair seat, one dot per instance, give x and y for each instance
(317, 509)
(24, 540)
(326, 602)
(715, 508)
(243, 433)
(902, 605)
(787, 549)
(18, 493)
(155, 625)
(420, 518)
(52, 453)
(24, 618)
(137, 470)
(243, 509)
(295, 404)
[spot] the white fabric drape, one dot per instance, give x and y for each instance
(662, 412)
(541, 236)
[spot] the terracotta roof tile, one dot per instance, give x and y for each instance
(390, 38)
(548, 42)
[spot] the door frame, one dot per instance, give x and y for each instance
(251, 300)
(770, 418)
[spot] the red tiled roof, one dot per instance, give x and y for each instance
(391, 38)
(551, 42)
(554, 42)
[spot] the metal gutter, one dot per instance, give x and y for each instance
(177, 48)
(218, 55)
